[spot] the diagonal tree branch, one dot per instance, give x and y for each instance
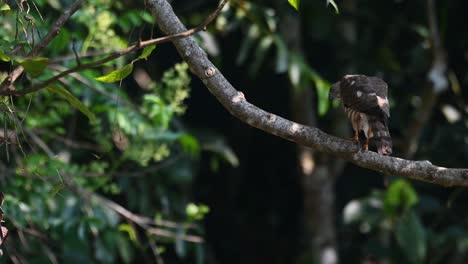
(235, 102)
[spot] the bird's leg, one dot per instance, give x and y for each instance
(355, 138)
(366, 145)
(368, 136)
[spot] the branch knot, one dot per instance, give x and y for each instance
(209, 72)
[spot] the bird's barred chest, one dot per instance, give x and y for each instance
(365, 123)
(360, 122)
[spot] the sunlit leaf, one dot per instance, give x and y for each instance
(322, 94)
(294, 71)
(3, 57)
(335, 6)
(4, 7)
(411, 237)
(147, 51)
(73, 101)
(117, 75)
(131, 232)
(189, 144)
(294, 3)
(34, 66)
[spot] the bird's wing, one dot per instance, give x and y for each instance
(365, 94)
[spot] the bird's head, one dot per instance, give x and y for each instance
(384, 145)
(334, 92)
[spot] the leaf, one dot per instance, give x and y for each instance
(56, 190)
(399, 197)
(131, 232)
(335, 6)
(124, 249)
(34, 66)
(260, 53)
(322, 94)
(73, 101)
(247, 44)
(224, 151)
(411, 237)
(294, 71)
(189, 144)
(3, 57)
(281, 55)
(4, 7)
(117, 75)
(147, 51)
(294, 3)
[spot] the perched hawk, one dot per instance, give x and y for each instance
(365, 103)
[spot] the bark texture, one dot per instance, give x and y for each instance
(235, 102)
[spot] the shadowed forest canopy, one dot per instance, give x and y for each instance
(126, 138)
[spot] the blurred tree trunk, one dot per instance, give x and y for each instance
(317, 170)
(438, 83)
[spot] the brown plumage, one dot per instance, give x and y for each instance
(365, 101)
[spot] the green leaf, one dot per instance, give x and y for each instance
(224, 151)
(3, 57)
(125, 249)
(73, 101)
(335, 6)
(196, 212)
(34, 66)
(147, 51)
(411, 237)
(294, 3)
(131, 232)
(189, 144)
(322, 94)
(399, 197)
(56, 189)
(4, 7)
(117, 75)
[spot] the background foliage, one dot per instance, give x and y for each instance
(135, 161)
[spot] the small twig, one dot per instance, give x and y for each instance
(77, 56)
(145, 222)
(36, 139)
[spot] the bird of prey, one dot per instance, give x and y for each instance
(365, 102)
